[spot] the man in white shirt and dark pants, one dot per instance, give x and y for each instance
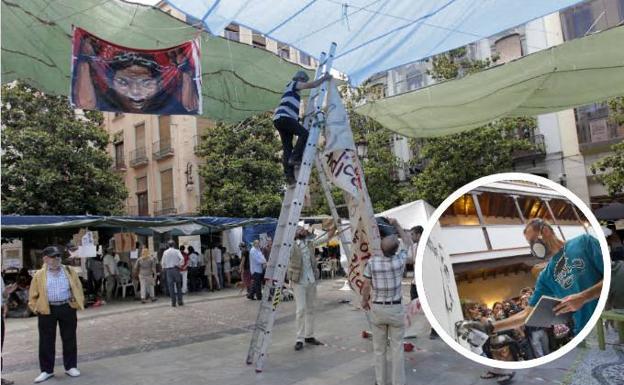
(303, 273)
(257, 270)
(382, 286)
(172, 260)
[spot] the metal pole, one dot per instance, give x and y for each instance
(552, 215)
(515, 198)
(475, 200)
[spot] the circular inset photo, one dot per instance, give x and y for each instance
(512, 267)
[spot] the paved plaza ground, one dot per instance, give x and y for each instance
(205, 342)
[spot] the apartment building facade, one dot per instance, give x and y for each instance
(157, 155)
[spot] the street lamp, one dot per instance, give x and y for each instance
(362, 148)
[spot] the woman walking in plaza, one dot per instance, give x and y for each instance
(146, 270)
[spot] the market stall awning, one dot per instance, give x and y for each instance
(13, 225)
(577, 72)
(372, 36)
(238, 79)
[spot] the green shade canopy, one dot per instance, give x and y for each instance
(577, 72)
(238, 80)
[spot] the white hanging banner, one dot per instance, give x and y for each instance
(344, 170)
(87, 249)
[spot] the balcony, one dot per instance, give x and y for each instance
(119, 164)
(164, 207)
(162, 149)
(138, 157)
(134, 210)
(597, 135)
(538, 151)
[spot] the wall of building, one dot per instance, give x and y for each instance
(183, 134)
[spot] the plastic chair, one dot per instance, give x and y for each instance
(326, 268)
(122, 284)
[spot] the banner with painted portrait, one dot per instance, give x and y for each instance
(110, 77)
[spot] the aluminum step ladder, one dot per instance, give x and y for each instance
(277, 265)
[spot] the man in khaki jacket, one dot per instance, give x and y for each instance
(55, 295)
(303, 274)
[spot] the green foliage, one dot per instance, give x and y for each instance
(454, 64)
(612, 166)
(242, 169)
(616, 105)
(454, 160)
(380, 165)
(53, 161)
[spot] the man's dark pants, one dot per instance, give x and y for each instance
(65, 316)
(174, 284)
(287, 128)
(256, 285)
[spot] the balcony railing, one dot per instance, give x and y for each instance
(538, 150)
(598, 134)
(138, 157)
(119, 164)
(165, 207)
(162, 149)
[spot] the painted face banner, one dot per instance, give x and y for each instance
(109, 77)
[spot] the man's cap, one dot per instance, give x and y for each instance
(52, 251)
(301, 75)
(385, 228)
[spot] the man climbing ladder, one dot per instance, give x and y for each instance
(289, 215)
(286, 121)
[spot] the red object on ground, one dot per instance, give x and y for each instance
(408, 346)
(365, 334)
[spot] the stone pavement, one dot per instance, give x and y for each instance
(205, 342)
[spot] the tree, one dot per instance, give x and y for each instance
(54, 161)
(454, 160)
(242, 169)
(380, 164)
(612, 166)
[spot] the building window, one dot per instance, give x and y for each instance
(258, 41)
(304, 58)
(166, 205)
(590, 17)
(142, 205)
(414, 79)
(283, 51)
(232, 32)
(577, 21)
(119, 155)
(139, 135)
(509, 48)
(594, 124)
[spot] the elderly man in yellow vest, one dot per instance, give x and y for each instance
(303, 273)
(55, 295)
